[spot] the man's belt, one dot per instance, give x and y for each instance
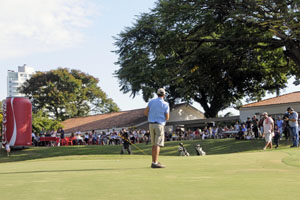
(153, 123)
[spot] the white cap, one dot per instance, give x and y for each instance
(161, 91)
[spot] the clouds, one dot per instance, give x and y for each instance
(33, 26)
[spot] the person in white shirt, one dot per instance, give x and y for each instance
(7, 148)
(268, 133)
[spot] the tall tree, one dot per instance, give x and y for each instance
(65, 93)
(195, 50)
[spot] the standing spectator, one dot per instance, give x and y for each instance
(268, 130)
(126, 142)
(293, 123)
(61, 133)
(276, 135)
(261, 123)
(158, 113)
(7, 148)
(248, 123)
(219, 132)
(255, 126)
(285, 126)
(279, 123)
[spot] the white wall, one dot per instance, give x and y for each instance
(271, 109)
(184, 112)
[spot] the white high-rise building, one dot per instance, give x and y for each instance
(16, 79)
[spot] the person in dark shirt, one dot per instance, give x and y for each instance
(61, 132)
(285, 126)
(147, 137)
(126, 142)
(276, 135)
(255, 126)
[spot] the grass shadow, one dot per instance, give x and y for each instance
(73, 170)
(210, 146)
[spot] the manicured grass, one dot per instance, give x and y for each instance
(211, 147)
(97, 172)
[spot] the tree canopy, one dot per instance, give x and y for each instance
(65, 93)
(41, 121)
(210, 51)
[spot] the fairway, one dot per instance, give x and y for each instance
(256, 175)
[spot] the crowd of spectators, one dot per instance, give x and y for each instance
(90, 137)
(251, 129)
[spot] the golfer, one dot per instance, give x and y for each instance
(157, 112)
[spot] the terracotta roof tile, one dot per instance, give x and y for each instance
(286, 98)
(105, 121)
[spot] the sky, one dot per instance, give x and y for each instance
(76, 34)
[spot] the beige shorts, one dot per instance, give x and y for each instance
(268, 137)
(157, 132)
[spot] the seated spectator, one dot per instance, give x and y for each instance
(34, 139)
(79, 139)
(197, 134)
(241, 134)
(214, 132)
(205, 133)
(48, 134)
(53, 133)
(94, 137)
(249, 136)
(237, 126)
(86, 138)
(72, 139)
(147, 137)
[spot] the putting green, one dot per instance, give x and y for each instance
(255, 175)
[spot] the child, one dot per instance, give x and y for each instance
(7, 148)
(276, 136)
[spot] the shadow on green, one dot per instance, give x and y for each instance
(210, 146)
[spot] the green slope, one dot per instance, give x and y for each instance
(211, 147)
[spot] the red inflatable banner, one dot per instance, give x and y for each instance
(17, 124)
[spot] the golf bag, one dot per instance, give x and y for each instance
(199, 150)
(182, 150)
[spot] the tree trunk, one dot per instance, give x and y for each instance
(293, 51)
(209, 111)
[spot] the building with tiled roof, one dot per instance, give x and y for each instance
(127, 119)
(274, 106)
